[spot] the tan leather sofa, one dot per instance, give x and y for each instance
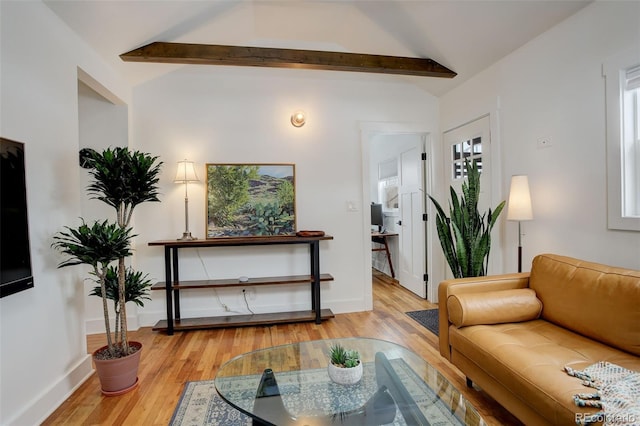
(513, 334)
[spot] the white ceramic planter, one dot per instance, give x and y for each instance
(345, 376)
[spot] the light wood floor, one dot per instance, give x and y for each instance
(169, 361)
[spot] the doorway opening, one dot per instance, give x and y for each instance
(396, 176)
(102, 123)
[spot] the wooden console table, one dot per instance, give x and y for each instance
(172, 284)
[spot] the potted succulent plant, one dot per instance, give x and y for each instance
(345, 366)
(122, 179)
(465, 236)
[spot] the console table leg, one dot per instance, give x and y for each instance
(176, 281)
(312, 268)
(315, 286)
(168, 289)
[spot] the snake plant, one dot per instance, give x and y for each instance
(465, 235)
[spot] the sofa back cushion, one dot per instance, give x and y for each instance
(598, 301)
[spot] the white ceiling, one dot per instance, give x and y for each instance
(465, 36)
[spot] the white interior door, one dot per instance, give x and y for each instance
(470, 141)
(412, 230)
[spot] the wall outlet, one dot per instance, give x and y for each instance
(544, 143)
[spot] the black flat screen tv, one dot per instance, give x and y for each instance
(15, 254)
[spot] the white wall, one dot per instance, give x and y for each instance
(231, 115)
(553, 88)
(42, 331)
(102, 124)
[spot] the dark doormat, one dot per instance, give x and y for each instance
(428, 318)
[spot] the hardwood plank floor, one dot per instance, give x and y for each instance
(169, 361)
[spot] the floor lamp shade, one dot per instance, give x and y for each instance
(519, 199)
(186, 173)
(519, 207)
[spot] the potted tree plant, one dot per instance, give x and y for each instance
(465, 236)
(123, 179)
(345, 366)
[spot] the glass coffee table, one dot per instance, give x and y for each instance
(289, 385)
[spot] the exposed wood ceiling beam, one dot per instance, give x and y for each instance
(209, 54)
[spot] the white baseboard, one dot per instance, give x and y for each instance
(150, 318)
(48, 401)
(96, 326)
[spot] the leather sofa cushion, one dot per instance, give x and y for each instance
(597, 301)
(493, 307)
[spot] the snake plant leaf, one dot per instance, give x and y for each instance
(462, 268)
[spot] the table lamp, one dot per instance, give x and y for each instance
(186, 173)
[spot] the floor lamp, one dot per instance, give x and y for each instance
(186, 173)
(519, 207)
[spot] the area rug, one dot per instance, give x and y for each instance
(201, 405)
(427, 318)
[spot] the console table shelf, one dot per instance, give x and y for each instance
(243, 320)
(172, 284)
(234, 282)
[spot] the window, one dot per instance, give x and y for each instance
(622, 75)
(467, 150)
(388, 184)
(631, 143)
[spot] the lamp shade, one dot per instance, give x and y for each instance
(519, 207)
(186, 172)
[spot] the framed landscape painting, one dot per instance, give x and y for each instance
(250, 200)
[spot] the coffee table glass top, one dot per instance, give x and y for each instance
(290, 385)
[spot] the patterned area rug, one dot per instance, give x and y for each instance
(201, 405)
(428, 319)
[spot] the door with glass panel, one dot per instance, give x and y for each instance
(469, 142)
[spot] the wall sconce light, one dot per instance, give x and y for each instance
(298, 118)
(519, 207)
(186, 173)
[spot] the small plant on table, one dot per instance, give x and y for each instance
(345, 366)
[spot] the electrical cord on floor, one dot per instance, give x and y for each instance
(244, 294)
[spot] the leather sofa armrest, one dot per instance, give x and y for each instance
(471, 285)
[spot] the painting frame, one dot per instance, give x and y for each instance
(250, 199)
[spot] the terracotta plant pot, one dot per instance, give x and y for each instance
(120, 375)
(345, 376)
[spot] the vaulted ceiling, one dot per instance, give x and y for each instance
(465, 36)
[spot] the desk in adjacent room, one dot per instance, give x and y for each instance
(381, 238)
